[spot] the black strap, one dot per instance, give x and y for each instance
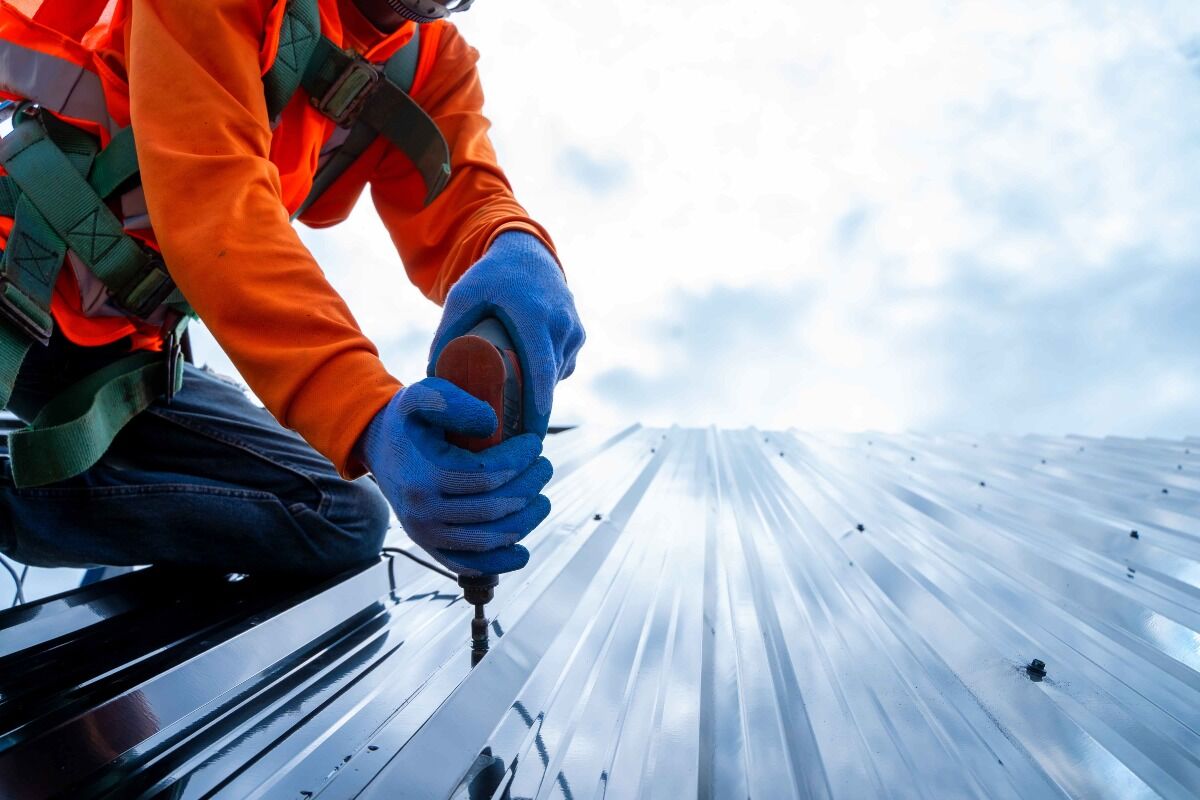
(338, 82)
(401, 69)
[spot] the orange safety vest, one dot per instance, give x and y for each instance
(55, 56)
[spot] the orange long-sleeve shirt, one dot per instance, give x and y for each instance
(220, 185)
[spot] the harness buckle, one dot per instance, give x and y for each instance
(147, 289)
(345, 97)
(19, 309)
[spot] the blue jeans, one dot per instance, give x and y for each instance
(209, 480)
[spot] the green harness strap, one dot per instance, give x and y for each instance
(116, 165)
(138, 279)
(74, 430)
(29, 268)
(401, 69)
(54, 208)
(297, 38)
(355, 94)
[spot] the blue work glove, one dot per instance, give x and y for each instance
(519, 282)
(468, 510)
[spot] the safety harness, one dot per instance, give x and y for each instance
(57, 191)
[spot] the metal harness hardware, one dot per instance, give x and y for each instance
(149, 287)
(23, 312)
(349, 91)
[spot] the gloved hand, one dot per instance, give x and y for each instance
(468, 510)
(519, 282)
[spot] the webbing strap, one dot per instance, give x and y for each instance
(360, 138)
(8, 196)
(44, 172)
(74, 430)
(115, 164)
(386, 108)
(405, 124)
(401, 69)
(14, 345)
(32, 262)
(69, 204)
(297, 38)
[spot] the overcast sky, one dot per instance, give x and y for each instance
(896, 215)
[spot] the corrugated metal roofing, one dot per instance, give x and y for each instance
(707, 614)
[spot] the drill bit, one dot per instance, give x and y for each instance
(478, 590)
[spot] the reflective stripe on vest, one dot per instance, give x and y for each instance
(53, 83)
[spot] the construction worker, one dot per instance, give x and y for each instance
(156, 152)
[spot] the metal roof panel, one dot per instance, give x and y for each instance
(706, 613)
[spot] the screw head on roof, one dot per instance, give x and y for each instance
(1043, 461)
(781, 454)
(1036, 669)
(597, 517)
(912, 458)
(652, 450)
(1164, 491)
(983, 483)
(1134, 535)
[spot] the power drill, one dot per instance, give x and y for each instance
(484, 363)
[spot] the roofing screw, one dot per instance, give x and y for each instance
(912, 458)
(597, 517)
(652, 450)
(1036, 669)
(1165, 491)
(1043, 461)
(860, 527)
(372, 747)
(1134, 535)
(781, 454)
(1179, 466)
(983, 483)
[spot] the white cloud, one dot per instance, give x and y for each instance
(892, 196)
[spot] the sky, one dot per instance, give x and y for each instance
(933, 216)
